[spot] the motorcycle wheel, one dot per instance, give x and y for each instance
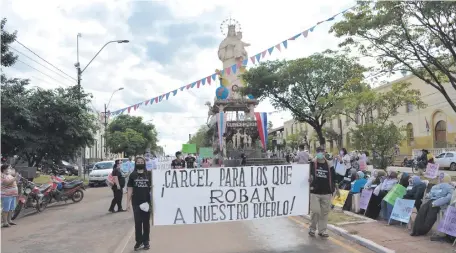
(44, 203)
(77, 196)
(18, 210)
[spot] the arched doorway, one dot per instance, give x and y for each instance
(440, 134)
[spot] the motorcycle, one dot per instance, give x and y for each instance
(62, 190)
(30, 197)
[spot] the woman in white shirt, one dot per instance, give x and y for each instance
(343, 159)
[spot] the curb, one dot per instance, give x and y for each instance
(355, 238)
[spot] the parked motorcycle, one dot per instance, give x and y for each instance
(62, 190)
(30, 197)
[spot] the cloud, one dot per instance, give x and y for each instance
(172, 43)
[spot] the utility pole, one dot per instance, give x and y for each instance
(189, 137)
(106, 129)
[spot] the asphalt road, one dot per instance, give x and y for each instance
(86, 227)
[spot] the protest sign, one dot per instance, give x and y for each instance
(189, 148)
(206, 152)
(340, 168)
(340, 201)
(366, 195)
(207, 195)
(164, 162)
(448, 224)
(432, 170)
(402, 210)
(398, 191)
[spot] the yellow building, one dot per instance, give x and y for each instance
(438, 132)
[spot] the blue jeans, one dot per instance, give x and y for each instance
(8, 203)
(386, 210)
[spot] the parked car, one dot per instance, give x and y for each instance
(73, 170)
(100, 172)
(446, 160)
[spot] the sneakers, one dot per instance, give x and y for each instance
(138, 245)
(146, 245)
(324, 235)
(311, 232)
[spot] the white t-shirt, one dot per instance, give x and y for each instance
(302, 157)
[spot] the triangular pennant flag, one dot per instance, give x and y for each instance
(239, 64)
(244, 62)
(295, 37)
(233, 68)
(208, 80)
(167, 95)
(270, 50)
(129, 108)
(222, 72)
(278, 47)
(258, 57)
(319, 22)
(174, 92)
(156, 100)
(188, 86)
(285, 44)
(228, 70)
(146, 102)
(197, 84)
(161, 97)
(263, 54)
(312, 28)
(331, 18)
(214, 76)
(152, 100)
(193, 84)
(305, 33)
(182, 88)
(203, 81)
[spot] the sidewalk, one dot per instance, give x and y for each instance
(397, 238)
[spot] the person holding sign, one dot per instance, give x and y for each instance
(417, 191)
(138, 197)
(322, 185)
(178, 163)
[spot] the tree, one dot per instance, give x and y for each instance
(270, 126)
(406, 36)
(376, 133)
(308, 87)
(131, 135)
(38, 123)
(202, 138)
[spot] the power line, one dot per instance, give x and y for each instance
(44, 60)
(40, 64)
(40, 71)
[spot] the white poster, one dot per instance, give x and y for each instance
(164, 162)
(194, 196)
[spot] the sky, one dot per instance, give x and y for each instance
(172, 43)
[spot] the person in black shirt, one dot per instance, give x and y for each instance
(139, 188)
(243, 159)
(190, 160)
(322, 186)
(119, 184)
(178, 163)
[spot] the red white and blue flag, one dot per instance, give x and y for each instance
(221, 127)
(262, 124)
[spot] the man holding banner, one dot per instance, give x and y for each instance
(322, 186)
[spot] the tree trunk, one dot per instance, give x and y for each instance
(321, 138)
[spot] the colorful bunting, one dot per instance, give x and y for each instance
(234, 68)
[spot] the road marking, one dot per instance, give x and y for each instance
(338, 242)
(121, 249)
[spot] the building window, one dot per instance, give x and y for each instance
(409, 107)
(409, 134)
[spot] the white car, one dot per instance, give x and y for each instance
(446, 160)
(100, 172)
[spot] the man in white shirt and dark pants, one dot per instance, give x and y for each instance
(303, 156)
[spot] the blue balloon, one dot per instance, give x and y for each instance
(250, 96)
(222, 93)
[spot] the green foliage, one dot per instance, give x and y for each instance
(381, 139)
(202, 138)
(38, 123)
(308, 87)
(293, 140)
(131, 135)
(406, 36)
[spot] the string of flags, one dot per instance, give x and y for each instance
(232, 69)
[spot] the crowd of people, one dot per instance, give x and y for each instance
(329, 176)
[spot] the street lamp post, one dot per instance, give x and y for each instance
(106, 106)
(79, 73)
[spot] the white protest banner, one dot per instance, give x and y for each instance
(402, 210)
(432, 170)
(164, 162)
(366, 195)
(194, 196)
